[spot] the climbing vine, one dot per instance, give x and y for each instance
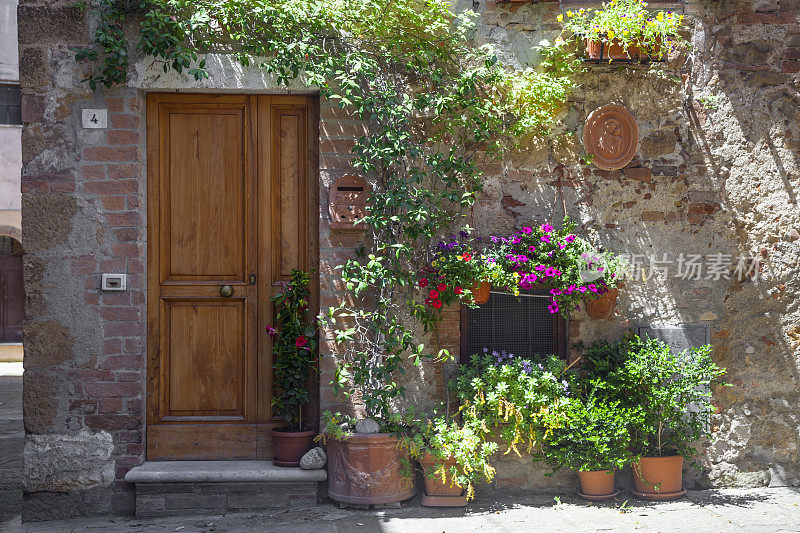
(435, 106)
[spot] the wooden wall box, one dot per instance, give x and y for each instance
(347, 202)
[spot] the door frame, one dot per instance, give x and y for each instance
(256, 442)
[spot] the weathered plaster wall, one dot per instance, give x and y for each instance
(704, 181)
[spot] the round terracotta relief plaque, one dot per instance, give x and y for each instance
(611, 136)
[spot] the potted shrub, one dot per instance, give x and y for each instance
(624, 29)
(606, 271)
(592, 438)
(668, 396)
(452, 457)
(294, 349)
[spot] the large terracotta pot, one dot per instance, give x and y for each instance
(289, 447)
(597, 484)
(602, 308)
(658, 478)
(433, 481)
(368, 469)
(481, 292)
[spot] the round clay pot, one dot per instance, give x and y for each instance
(481, 291)
(288, 447)
(433, 481)
(614, 50)
(597, 483)
(602, 308)
(369, 469)
(658, 477)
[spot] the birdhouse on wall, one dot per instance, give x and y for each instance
(347, 202)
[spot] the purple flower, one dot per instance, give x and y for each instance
(494, 239)
(526, 366)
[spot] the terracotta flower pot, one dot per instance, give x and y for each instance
(602, 308)
(433, 481)
(597, 485)
(368, 469)
(289, 447)
(659, 478)
(481, 291)
(614, 50)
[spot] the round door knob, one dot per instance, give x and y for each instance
(226, 291)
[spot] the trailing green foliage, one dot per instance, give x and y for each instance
(294, 345)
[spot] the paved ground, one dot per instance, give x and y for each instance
(12, 438)
(751, 511)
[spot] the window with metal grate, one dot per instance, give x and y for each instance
(10, 104)
(521, 325)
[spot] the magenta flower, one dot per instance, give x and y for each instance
(545, 238)
(526, 230)
(562, 246)
(593, 287)
(547, 228)
(532, 248)
(515, 240)
(550, 272)
(569, 238)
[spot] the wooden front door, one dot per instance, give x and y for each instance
(230, 182)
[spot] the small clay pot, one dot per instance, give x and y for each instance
(433, 480)
(480, 292)
(369, 468)
(288, 447)
(658, 478)
(597, 484)
(602, 307)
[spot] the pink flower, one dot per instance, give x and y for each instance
(271, 331)
(532, 248)
(562, 246)
(582, 289)
(545, 238)
(550, 271)
(300, 341)
(515, 240)
(547, 228)
(526, 230)
(569, 238)
(593, 287)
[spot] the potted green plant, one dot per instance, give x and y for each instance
(294, 348)
(668, 396)
(592, 439)
(452, 456)
(624, 29)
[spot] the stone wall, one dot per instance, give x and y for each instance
(705, 181)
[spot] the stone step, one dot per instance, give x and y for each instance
(174, 488)
(10, 425)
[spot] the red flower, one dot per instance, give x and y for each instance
(300, 341)
(442, 287)
(428, 301)
(423, 282)
(436, 304)
(466, 257)
(433, 295)
(459, 290)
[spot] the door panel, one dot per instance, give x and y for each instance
(228, 187)
(12, 303)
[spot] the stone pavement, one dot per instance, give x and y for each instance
(12, 439)
(745, 510)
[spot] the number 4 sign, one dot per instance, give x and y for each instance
(95, 118)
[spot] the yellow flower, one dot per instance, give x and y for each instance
(581, 11)
(624, 32)
(610, 34)
(660, 16)
(569, 13)
(560, 18)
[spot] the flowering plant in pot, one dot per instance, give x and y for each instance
(294, 348)
(519, 398)
(606, 271)
(624, 29)
(555, 259)
(452, 455)
(668, 396)
(592, 438)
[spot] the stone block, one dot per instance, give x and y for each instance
(47, 343)
(47, 220)
(57, 24)
(48, 505)
(39, 401)
(34, 67)
(66, 463)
